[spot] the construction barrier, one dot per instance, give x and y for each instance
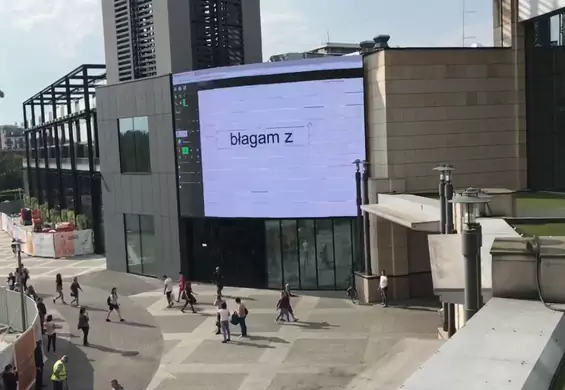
(22, 352)
(53, 245)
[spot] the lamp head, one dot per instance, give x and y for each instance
(469, 200)
(357, 164)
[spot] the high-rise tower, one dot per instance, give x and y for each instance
(145, 38)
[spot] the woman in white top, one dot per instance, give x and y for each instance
(113, 304)
(49, 327)
(225, 321)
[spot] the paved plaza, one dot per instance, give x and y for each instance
(334, 345)
(44, 268)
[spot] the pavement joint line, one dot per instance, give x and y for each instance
(261, 375)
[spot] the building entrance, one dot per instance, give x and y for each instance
(235, 245)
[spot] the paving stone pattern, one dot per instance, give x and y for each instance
(334, 345)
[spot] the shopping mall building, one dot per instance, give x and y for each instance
(248, 168)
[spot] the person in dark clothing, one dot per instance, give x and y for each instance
(38, 355)
(42, 310)
(188, 296)
(218, 279)
(84, 325)
(11, 281)
(10, 378)
(75, 288)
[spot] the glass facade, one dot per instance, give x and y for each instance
(140, 244)
(307, 254)
(545, 101)
(134, 145)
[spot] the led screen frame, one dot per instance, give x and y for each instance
(188, 86)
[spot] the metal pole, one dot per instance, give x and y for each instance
(359, 219)
(479, 230)
(22, 295)
(448, 207)
(367, 223)
(448, 189)
(470, 245)
(442, 204)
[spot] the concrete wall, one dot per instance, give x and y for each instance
(432, 106)
(148, 194)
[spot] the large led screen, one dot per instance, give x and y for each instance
(270, 141)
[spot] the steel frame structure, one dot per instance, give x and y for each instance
(79, 84)
(217, 33)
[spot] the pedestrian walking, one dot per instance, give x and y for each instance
(38, 357)
(242, 313)
(11, 281)
(75, 288)
(59, 289)
(113, 304)
(116, 385)
(225, 322)
(30, 292)
(84, 325)
(59, 375)
(283, 307)
(168, 290)
(42, 311)
(383, 288)
(188, 296)
(51, 332)
(218, 279)
(10, 377)
(290, 295)
(218, 303)
(182, 281)
(25, 276)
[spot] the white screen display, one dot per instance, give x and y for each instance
(282, 150)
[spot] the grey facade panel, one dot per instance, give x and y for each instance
(152, 194)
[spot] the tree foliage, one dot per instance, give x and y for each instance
(11, 171)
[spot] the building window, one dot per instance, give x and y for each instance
(134, 145)
(309, 254)
(140, 244)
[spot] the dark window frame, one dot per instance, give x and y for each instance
(139, 232)
(138, 164)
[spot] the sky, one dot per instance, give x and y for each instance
(42, 40)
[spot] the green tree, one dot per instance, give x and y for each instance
(11, 171)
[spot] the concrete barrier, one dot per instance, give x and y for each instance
(21, 351)
(508, 345)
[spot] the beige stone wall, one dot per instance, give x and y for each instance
(433, 106)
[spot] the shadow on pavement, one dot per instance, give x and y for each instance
(247, 344)
(136, 324)
(312, 325)
(79, 368)
(112, 350)
(269, 339)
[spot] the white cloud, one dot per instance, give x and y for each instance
(64, 23)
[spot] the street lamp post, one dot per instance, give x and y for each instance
(362, 225)
(442, 204)
(359, 219)
(471, 238)
(448, 172)
(18, 250)
(366, 220)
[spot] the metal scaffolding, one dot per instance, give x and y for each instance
(47, 115)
